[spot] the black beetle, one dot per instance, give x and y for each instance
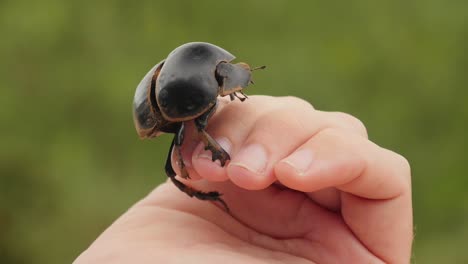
(184, 87)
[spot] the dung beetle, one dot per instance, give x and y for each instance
(185, 87)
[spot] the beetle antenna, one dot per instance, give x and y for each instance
(258, 68)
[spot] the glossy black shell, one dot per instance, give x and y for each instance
(189, 88)
(146, 114)
(186, 86)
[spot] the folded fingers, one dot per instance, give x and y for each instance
(259, 133)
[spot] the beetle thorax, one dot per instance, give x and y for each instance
(186, 99)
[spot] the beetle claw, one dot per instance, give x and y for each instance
(205, 196)
(219, 154)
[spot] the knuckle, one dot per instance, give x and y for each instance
(404, 164)
(275, 119)
(293, 100)
(330, 132)
(353, 122)
(401, 170)
(347, 144)
(405, 171)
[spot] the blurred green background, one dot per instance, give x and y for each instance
(71, 162)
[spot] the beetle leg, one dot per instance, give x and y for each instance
(242, 99)
(232, 97)
(218, 153)
(179, 139)
(242, 92)
(168, 167)
(207, 196)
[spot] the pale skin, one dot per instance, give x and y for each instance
(303, 186)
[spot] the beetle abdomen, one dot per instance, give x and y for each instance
(186, 86)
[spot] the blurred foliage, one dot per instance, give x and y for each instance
(70, 160)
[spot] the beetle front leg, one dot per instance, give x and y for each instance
(218, 153)
(209, 196)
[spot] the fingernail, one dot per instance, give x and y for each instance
(206, 154)
(253, 158)
(300, 160)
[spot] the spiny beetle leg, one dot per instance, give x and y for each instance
(168, 167)
(205, 196)
(218, 153)
(181, 164)
(179, 139)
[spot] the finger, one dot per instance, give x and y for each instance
(275, 135)
(229, 116)
(262, 120)
(348, 122)
(203, 158)
(229, 126)
(333, 158)
(376, 203)
(328, 198)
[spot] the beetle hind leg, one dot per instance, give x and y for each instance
(178, 140)
(192, 192)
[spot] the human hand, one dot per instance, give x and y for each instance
(303, 186)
